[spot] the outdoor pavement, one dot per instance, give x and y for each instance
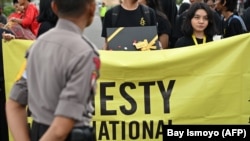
(93, 32)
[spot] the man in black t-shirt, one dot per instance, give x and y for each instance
(130, 15)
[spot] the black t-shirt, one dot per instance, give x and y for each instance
(232, 28)
(45, 26)
(218, 22)
(188, 41)
(163, 25)
(128, 18)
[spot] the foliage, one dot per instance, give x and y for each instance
(8, 9)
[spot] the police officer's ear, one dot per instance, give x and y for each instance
(91, 12)
(92, 7)
(54, 7)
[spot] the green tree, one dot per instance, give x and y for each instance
(8, 9)
(7, 6)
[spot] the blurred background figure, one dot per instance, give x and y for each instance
(18, 10)
(210, 3)
(29, 17)
(47, 18)
(217, 16)
(102, 11)
(246, 15)
(3, 19)
(183, 7)
(232, 23)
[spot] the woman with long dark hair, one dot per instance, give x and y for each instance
(47, 18)
(198, 27)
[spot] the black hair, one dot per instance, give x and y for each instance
(183, 7)
(170, 9)
(208, 0)
(230, 4)
(187, 26)
(73, 8)
(46, 13)
(15, 1)
(155, 4)
(247, 4)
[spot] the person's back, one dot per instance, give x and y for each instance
(3, 19)
(130, 15)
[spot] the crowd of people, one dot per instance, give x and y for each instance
(70, 82)
(172, 22)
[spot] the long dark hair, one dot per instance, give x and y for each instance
(170, 9)
(155, 4)
(187, 26)
(230, 4)
(46, 13)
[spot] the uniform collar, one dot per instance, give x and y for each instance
(68, 25)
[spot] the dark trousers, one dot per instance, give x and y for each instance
(77, 134)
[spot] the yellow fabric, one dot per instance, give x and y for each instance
(145, 46)
(20, 73)
(14, 62)
(139, 91)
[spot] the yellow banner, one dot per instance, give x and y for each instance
(138, 92)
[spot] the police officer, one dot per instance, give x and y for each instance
(60, 79)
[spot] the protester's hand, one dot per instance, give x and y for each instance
(12, 19)
(16, 20)
(7, 36)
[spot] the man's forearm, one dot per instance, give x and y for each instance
(17, 120)
(59, 129)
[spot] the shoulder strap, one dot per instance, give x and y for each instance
(115, 12)
(241, 21)
(146, 13)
